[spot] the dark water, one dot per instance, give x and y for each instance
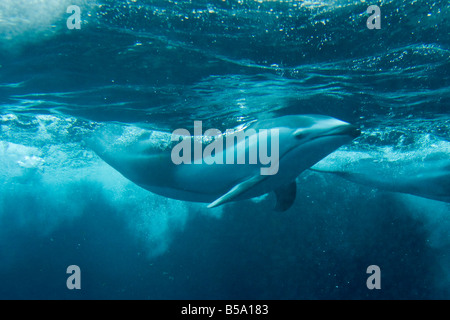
(163, 64)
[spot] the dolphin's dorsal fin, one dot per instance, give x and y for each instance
(285, 196)
(237, 190)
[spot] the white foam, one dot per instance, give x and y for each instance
(25, 21)
(18, 161)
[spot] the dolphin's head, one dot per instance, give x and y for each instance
(316, 136)
(312, 127)
(304, 140)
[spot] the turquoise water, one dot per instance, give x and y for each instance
(161, 65)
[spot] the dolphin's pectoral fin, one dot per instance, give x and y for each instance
(285, 196)
(237, 190)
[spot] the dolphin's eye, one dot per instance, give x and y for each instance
(299, 133)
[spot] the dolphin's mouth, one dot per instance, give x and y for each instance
(347, 130)
(344, 130)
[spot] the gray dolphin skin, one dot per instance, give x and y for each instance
(144, 157)
(423, 176)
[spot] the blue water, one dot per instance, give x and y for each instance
(163, 64)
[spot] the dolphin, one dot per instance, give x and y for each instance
(424, 176)
(144, 157)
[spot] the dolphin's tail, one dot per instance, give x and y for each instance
(104, 143)
(132, 151)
